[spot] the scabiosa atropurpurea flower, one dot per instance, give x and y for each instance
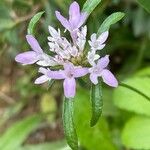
(70, 54)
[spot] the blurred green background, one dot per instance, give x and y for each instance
(30, 115)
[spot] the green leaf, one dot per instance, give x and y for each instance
(18, 132)
(59, 145)
(145, 4)
(136, 133)
(34, 21)
(134, 100)
(97, 103)
(68, 124)
(110, 20)
(98, 136)
(90, 5)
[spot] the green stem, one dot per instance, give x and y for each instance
(135, 90)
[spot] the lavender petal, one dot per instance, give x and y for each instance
(34, 44)
(109, 78)
(103, 62)
(74, 14)
(27, 58)
(63, 21)
(69, 87)
(41, 79)
(79, 72)
(94, 78)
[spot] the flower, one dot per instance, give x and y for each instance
(69, 74)
(75, 21)
(70, 54)
(99, 70)
(36, 55)
(98, 43)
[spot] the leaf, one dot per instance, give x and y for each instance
(97, 103)
(145, 4)
(136, 133)
(110, 20)
(59, 145)
(128, 99)
(34, 21)
(90, 5)
(98, 136)
(18, 132)
(68, 124)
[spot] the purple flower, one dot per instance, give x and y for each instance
(99, 70)
(98, 43)
(35, 55)
(69, 74)
(75, 21)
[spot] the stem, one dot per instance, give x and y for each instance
(135, 90)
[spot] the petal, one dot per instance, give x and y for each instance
(43, 70)
(69, 87)
(103, 62)
(56, 74)
(26, 58)
(42, 63)
(93, 37)
(34, 43)
(41, 79)
(79, 72)
(94, 78)
(83, 18)
(53, 32)
(103, 37)
(109, 78)
(100, 47)
(74, 14)
(63, 20)
(46, 63)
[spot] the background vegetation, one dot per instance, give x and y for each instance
(30, 115)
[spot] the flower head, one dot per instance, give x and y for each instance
(99, 70)
(98, 43)
(69, 54)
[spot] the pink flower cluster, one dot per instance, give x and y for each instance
(66, 51)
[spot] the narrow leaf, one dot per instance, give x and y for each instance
(90, 5)
(34, 21)
(145, 4)
(56, 145)
(68, 124)
(110, 20)
(18, 132)
(97, 103)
